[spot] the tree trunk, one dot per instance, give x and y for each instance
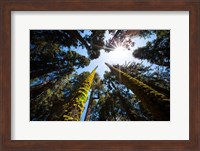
(74, 108)
(157, 88)
(157, 103)
(87, 116)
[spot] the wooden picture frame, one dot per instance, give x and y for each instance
(193, 6)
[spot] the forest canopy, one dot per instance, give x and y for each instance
(99, 75)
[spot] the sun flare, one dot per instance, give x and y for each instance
(118, 55)
(119, 49)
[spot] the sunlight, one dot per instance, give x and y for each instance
(119, 48)
(119, 54)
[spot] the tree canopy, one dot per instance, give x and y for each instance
(66, 85)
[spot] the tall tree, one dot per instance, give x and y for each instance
(58, 62)
(42, 106)
(43, 39)
(128, 92)
(125, 38)
(64, 38)
(96, 42)
(157, 51)
(157, 77)
(69, 89)
(48, 104)
(96, 90)
(74, 108)
(129, 107)
(157, 103)
(107, 112)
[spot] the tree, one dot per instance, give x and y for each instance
(96, 91)
(157, 51)
(43, 106)
(126, 104)
(125, 38)
(107, 112)
(48, 104)
(57, 62)
(96, 41)
(157, 77)
(121, 38)
(134, 91)
(74, 108)
(43, 39)
(157, 103)
(61, 38)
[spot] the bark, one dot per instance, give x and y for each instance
(74, 108)
(157, 103)
(87, 116)
(159, 89)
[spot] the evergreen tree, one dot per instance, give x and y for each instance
(42, 107)
(74, 108)
(127, 106)
(96, 41)
(157, 103)
(96, 90)
(157, 77)
(157, 51)
(134, 91)
(57, 62)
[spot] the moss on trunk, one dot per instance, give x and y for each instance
(157, 103)
(74, 108)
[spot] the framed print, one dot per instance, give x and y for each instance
(93, 75)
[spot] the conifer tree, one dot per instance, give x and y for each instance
(74, 108)
(42, 107)
(157, 51)
(157, 103)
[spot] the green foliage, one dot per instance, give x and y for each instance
(157, 51)
(43, 106)
(133, 91)
(60, 62)
(121, 38)
(96, 40)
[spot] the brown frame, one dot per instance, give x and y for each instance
(6, 6)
